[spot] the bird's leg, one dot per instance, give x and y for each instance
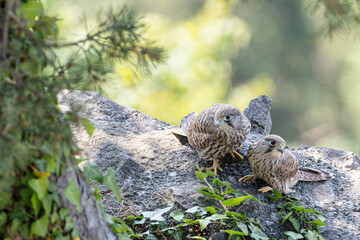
(233, 153)
(247, 178)
(215, 166)
(266, 189)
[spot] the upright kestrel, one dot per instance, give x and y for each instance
(271, 162)
(216, 131)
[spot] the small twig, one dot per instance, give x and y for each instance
(222, 205)
(5, 33)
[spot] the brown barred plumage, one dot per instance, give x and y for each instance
(216, 131)
(278, 166)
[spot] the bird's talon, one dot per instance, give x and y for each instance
(215, 167)
(266, 189)
(233, 153)
(247, 178)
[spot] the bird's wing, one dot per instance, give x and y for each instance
(287, 166)
(185, 122)
(202, 130)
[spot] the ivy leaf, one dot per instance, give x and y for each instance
(242, 227)
(210, 173)
(239, 215)
(256, 233)
(293, 235)
(89, 127)
(111, 184)
(72, 193)
(235, 201)
(198, 237)
(64, 212)
(295, 222)
(35, 203)
(3, 219)
(151, 237)
(39, 186)
(40, 226)
(177, 235)
(319, 223)
(5, 198)
(192, 210)
(286, 217)
(93, 172)
(47, 204)
(178, 216)
(232, 232)
(211, 210)
(201, 176)
(203, 223)
(217, 216)
(157, 215)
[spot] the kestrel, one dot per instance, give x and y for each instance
(216, 131)
(271, 162)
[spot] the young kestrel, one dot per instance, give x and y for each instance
(216, 131)
(271, 162)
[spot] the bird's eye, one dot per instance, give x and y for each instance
(273, 143)
(227, 118)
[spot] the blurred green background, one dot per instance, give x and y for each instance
(232, 52)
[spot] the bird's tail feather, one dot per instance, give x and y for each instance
(311, 174)
(186, 121)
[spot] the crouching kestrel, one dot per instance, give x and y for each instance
(216, 131)
(271, 162)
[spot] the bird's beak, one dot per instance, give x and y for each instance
(281, 149)
(222, 125)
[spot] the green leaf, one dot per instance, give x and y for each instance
(50, 166)
(111, 184)
(256, 233)
(64, 212)
(157, 214)
(310, 235)
(203, 223)
(243, 227)
(89, 127)
(232, 232)
(3, 219)
(295, 222)
(192, 210)
(40, 186)
(201, 176)
(218, 182)
(204, 193)
(72, 193)
(211, 210)
(286, 217)
(319, 223)
(239, 215)
(178, 216)
(35, 203)
(32, 9)
(217, 216)
(235, 201)
(198, 237)
(5, 198)
(47, 204)
(151, 237)
(294, 235)
(177, 235)
(40, 226)
(277, 195)
(210, 173)
(299, 209)
(93, 172)
(15, 224)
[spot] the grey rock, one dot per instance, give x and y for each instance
(155, 170)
